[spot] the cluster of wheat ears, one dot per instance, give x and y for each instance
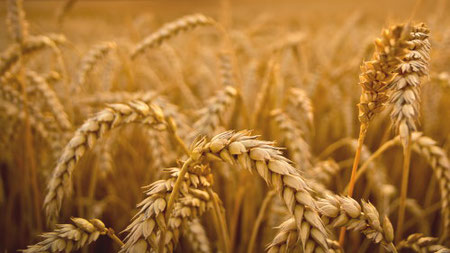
(186, 109)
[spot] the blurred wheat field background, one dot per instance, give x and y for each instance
(224, 126)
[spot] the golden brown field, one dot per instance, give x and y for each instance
(224, 126)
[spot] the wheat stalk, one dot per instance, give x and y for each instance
(169, 30)
(84, 139)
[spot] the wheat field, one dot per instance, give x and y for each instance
(224, 126)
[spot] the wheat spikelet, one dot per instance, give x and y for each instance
(265, 159)
(143, 231)
(169, 30)
(18, 26)
(286, 240)
(68, 237)
(50, 99)
(196, 235)
(422, 244)
(88, 62)
(405, 87)
(210, 115)
(346, 212)
(299, 150)
(30, 45)
(84, 139)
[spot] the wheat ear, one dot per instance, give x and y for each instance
(287, 237)
(422, 244)
(50, 99)
(210, 116)
(68, 237)
(16, 22)
(346, 212)
(298, 148)
(169, 30)
(32, 44)
(262, 157)
(196, 235)
(84, 139)
(150, 221)
(88, 62)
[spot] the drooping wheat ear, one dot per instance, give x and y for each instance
(196, 235)
(68, 237)
(262, 157)
(439, 162)
(84, 139)
(169, 109)
(422, 244)
(12, 96)
(169, 30)
(286, 240)
(210, 116)
(298, 148)
(92, 57)
(64, 9)
(300, 100)
(30, 45)
(49, 98)
(405, 97)
(15, 20)
(346, 212)
(324, 172)
(150, 221)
